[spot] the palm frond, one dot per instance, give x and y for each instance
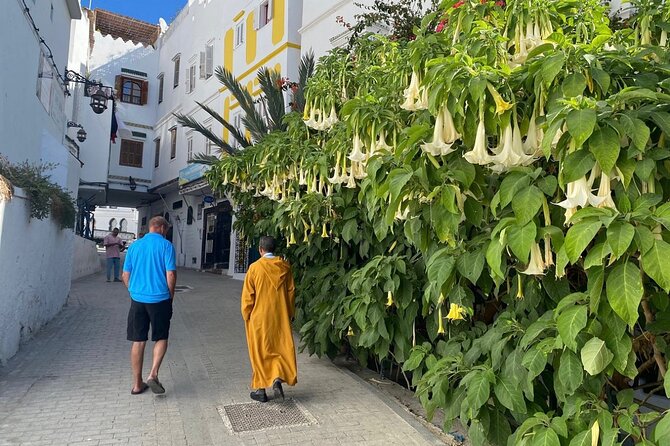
(305, 71)
(202, 158)
(254, 122)
(235, 132)
(189, 122)
(273, 97)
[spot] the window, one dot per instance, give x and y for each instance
(264, 14)
(190, 79)
(189, 149)
(144, 221)
(157, 159)
(173, 142)
(177, 204)
(199, 214)
(208, 143)
(131, 90)
(161, 79)
(207, 62)
(175, 82)
(112, 224)
(239, 34)
(131, 153)
(45, 77)
(237, 123)
(123, 225)
(189, 215)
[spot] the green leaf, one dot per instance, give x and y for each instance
(602, 79)
(526, 204)
(662, 119)
(479, 390)
(580, 124)
(349, 230)
(578, 238)
(662, 430)
(604, 144)
(570, 371)
(656, 264)
(577, 164)
(509, 395)
(494, 257)
(470, 265)
(582, 439)
(597, 255)
(595, 356)
(570, 323)
(397, 179)
(520, 239)
(415, 360)
(533, 331)
(551, 66)
(545, 437)
(574, 85)
(624, 291)
(513, 183)
(637, 130)
(535, 361)
(619, 236)
(666, 383)
(548, 185)
(499, 429)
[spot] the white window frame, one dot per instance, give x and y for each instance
(239, 34)
(190, 79)
(161, 86)
(189, 148)
(208, 143)
(177, 63)
(263, 14)
(209, 60)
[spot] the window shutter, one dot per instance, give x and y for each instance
(188, 81)
(270, 8)
(209, 63)
(118, 86)
(145, 92)
(203, 65)
(257, 17)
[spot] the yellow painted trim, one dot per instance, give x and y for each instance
(264, 60)
(278, 21)
(228, 50)
(238, 16)
(251, 39)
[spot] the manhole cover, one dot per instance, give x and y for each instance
(247, 417)
(182, 288)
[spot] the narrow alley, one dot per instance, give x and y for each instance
(70, 384)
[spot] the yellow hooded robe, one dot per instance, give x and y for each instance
(268, 305)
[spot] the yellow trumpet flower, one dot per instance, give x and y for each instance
(389, 299)
(501, 105)
(291, 240)
(324, 233)
(519, 292)
(350, 332)
(456, 313)
(440, 325)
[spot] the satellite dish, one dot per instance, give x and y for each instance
(163, 25)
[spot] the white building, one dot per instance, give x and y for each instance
(36, 255)
(110, 217)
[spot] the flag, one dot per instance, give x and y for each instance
(118, 126)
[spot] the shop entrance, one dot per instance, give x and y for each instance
(217, 222)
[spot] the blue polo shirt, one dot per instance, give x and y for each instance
(147, 261)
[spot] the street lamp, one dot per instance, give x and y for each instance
(98, 92)
(81, 134)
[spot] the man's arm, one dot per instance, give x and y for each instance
(291, 295)
(125, 276)
(248, 296)
(171, 277)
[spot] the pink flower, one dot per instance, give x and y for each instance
(440, 26)
(459, 4)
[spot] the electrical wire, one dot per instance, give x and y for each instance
(50, 56)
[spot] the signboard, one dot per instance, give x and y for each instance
(208, 199)
(192, 172)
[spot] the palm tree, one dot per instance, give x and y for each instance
(257, 121)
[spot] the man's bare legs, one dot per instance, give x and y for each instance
(160, 347)
(136, 361)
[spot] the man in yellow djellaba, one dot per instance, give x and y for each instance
(268, 305)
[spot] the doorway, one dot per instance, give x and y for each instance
(217, 224)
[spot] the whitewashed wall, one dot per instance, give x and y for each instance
(85, 259)
(35, 276)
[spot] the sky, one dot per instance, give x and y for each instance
(147, 10)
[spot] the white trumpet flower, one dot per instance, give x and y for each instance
(302, 180)
(332, 119)
(438, 146)
(578, 194)
(533, 143)
(605, 192)
(311, 122)
(411, 93)
(449, 132)
(536, 265)
(357, 153)
(381, 143)
(511, 153)
(479, 154)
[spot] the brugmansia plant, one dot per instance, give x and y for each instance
(487, 205)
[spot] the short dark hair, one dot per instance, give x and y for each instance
(267, 243)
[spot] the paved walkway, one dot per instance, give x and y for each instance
(70, 385)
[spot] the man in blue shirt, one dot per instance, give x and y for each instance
(150, 273)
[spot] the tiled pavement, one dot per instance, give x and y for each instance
(70, 385)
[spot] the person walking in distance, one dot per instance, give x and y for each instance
(150, 273)
(268, 305)
(113, 245)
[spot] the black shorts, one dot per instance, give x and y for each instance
(142, 315)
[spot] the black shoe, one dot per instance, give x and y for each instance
(278, 390)
(259, 395)
(118, 280)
